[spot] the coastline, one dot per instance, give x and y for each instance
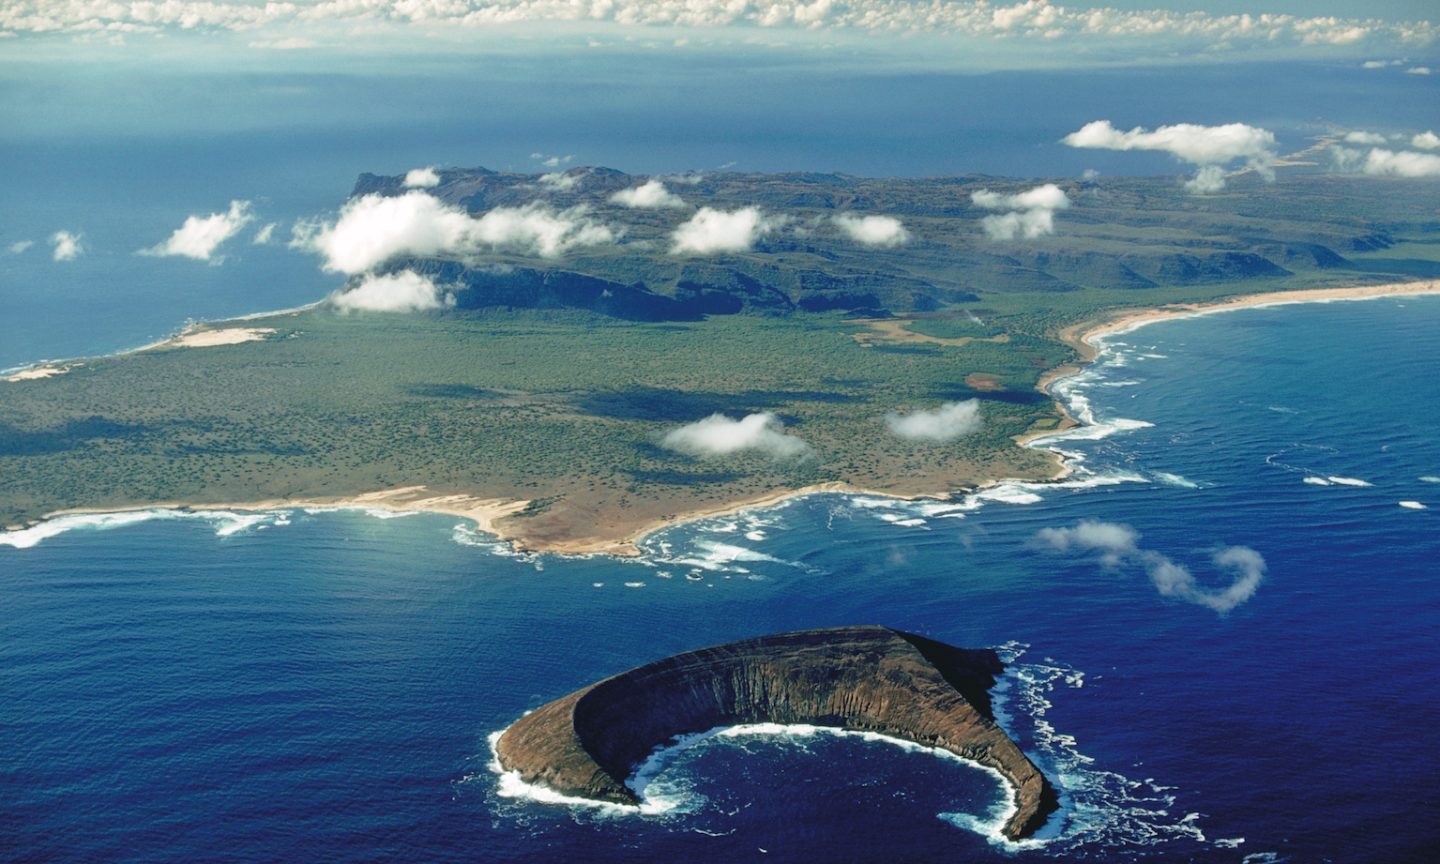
(196, 334)
(1082, 335)
(488, 513)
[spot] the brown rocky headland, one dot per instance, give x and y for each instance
(870, 679)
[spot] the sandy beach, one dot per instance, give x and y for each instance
(36, 373)
(1083, 335)
(197, 337)
(488, 514)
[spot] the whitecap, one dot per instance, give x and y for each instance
(1098, 807)
(384, 513)
(1175, 480)
(1315, 480)
(226, 523)
(646, 775)
(634, 584)
(1006, 493)
(510, 785)
(1429, 479)
(1413, 505)
(233, 523)
(1349, 481)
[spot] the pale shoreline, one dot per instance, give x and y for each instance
(486, 513)
(1082, 336)
(198, 334)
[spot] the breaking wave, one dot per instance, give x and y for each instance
(226, 523)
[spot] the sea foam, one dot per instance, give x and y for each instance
(226, 523)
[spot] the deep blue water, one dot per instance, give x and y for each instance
(322, 686)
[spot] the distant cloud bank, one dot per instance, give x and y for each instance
(1040, 20)
(200, 236)
(718, 436)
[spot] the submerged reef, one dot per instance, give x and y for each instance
(870, 679)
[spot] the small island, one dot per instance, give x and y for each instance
(870, 679)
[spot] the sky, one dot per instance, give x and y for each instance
(962, 33)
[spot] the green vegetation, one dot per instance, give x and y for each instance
(565, 407)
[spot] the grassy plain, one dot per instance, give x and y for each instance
(564, 408)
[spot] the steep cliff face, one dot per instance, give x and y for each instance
(859, 678)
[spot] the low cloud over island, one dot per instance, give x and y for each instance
(712, 232)
(946, 423)
(1028, 214)
(374, 229)
(1210, 148)
(719, 436)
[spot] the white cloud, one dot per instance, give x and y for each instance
(1379, 64)
(421, 178)
(1365, 138)
(1026, 224)
(1203, 146)
(550, 161)
(406, 291)
(1111, 539)
(718, 435)
(200, 236)
(946, 423)
(1033, 211)
(1418, 70)
(878, 231)
(1041, 21)
(1119, 545)
(67, 246)
(20, 246)
(1047, 197)
(1389, 163)
(559, 181)
(711, 231)
(649, 195)
(1208, 180)
(374, 229)
(1426, 141)
(265, 234)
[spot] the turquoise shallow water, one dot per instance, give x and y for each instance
(323, 685)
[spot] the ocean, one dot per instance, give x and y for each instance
(324, 685)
